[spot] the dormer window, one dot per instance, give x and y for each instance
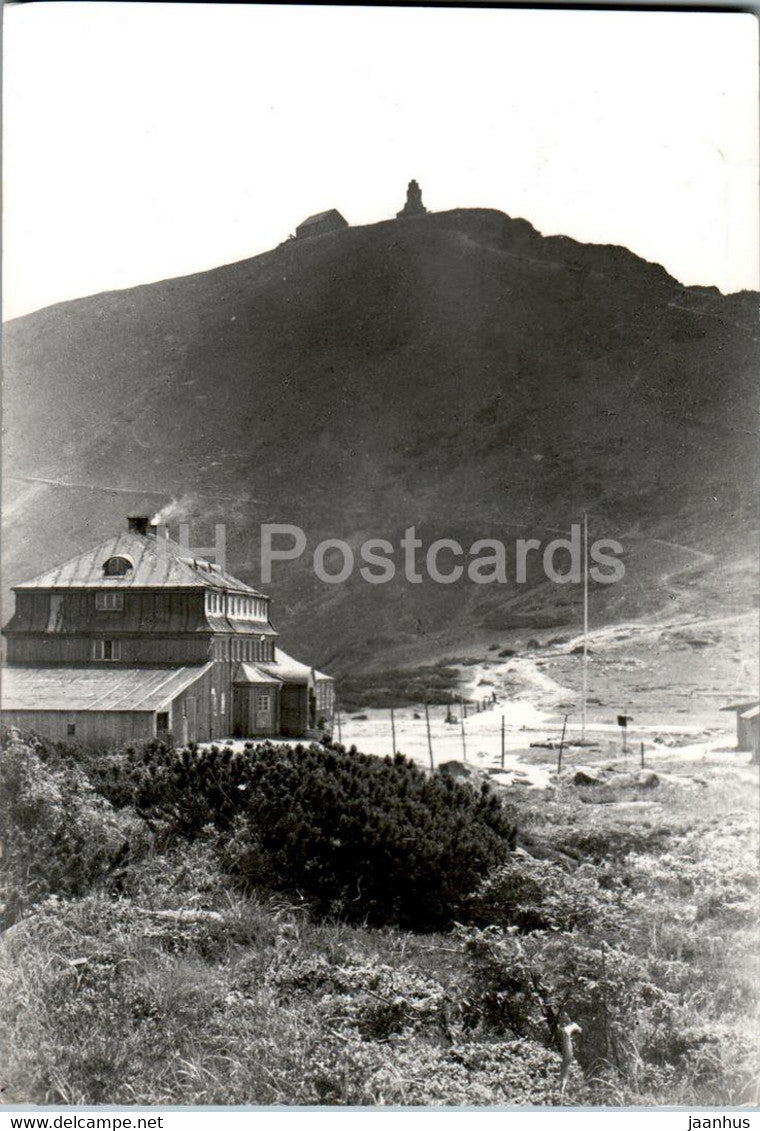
(118, 566)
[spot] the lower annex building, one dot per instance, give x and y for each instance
(135, 639)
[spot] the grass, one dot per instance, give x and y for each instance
(103, 1000)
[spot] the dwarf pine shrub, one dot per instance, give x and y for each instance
(359, 837)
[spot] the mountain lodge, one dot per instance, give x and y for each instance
(330, 221)
(134, 639)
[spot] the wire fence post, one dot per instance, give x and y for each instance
(561, 745)
(393, 731)
(502, 742)
(430, 741)
(642, 755)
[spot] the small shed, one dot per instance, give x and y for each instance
(104, 705)
(322, 222)
(747, 724)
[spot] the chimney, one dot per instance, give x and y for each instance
(140, 524)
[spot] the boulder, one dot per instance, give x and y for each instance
(464, 771)
(647, 779)
(585, 776)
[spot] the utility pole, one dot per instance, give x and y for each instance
(585, 625)
(464, 740)
(393, 731)
(337, 716)
(502, 742)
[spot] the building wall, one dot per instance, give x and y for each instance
(191, 715)
(144, 611)
(92, 728)
(169, 627)
(77, 649)
(329, 224)
(246, 719)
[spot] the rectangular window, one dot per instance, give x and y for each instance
(71, 729)
(108, 602)
(106, 649)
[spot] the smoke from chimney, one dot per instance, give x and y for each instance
(178, 510)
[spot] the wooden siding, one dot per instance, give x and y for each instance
(248, 720)
(77, 649)
(93, 728)
(167, 611)
(191, 718)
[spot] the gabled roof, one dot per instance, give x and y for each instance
(752, 713)
(157, 562)
(318, 217)
(73, 688)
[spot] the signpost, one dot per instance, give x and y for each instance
(623, 721)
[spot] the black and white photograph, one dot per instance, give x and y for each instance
(379, 703)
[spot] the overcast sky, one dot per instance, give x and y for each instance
(144, 141)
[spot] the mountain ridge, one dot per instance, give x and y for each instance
(458, 371)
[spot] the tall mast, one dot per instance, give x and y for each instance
(585, 625)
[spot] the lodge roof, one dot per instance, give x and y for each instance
(156, 562)
(90, 688)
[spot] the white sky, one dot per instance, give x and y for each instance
(144, 141)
